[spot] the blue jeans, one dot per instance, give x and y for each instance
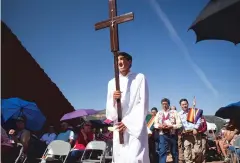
(167, 141)
(234, 150)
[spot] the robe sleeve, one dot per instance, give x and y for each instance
(135, 120)
(111, 111)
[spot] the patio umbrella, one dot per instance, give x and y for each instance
(78, 113)
(99, 123)
(12, 108)
(219, 20)
(231, 111)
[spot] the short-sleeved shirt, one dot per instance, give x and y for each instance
(48, 138)
(66, 136)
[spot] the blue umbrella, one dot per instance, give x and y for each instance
(12, 108)
(231, 111)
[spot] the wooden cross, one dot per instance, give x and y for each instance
(112, 23)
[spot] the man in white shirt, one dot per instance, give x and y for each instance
(167, 121)
(134, 102)
(50, 136)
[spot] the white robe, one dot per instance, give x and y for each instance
(134, 101)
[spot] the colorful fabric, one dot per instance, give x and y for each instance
(171, 118)
(188, 125)
(203, 125)
(194, 114)
(150, 121)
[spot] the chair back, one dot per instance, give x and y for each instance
(96, 145)
(58, 147)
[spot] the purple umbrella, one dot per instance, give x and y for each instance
(78, 113)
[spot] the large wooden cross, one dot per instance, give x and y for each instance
(112, 23)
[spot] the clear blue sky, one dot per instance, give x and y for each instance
(60, 35)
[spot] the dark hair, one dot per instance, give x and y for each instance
(183, 99)
(125, 55)
(154, 108)
(165, 100)
(21, 119)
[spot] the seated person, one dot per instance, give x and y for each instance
(49, 136)
(21, 135)
(85, 136)
(235, 147)
(66, 134)
(227, 140)
(97, 134)
(106, 135)
(211, 135)
(7, 148)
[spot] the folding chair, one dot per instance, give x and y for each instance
(21, 157)
(91, 146)
(56, 148)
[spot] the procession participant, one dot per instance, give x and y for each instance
(134, 102)
(173, 108)
(190, 135)
(167, 121)
(180, 146)
(202, 129)
(152, 135)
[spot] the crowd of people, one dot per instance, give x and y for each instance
(168, 129)
(185, 141)
(78, 137)
(145, 139)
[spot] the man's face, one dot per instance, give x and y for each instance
(165, 105)
(153, 112)
(184, 105)
(123, 64)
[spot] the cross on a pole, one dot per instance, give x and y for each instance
(112, 23)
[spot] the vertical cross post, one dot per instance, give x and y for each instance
(112, 23)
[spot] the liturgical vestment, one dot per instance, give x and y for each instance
(134, 101)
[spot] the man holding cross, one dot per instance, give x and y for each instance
(134, 102)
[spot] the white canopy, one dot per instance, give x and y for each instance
(211, 126)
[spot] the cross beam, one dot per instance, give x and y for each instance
(112, 23)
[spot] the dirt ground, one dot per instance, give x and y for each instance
(169, 160)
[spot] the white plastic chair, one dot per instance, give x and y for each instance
(95, 145)
(57, 147)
